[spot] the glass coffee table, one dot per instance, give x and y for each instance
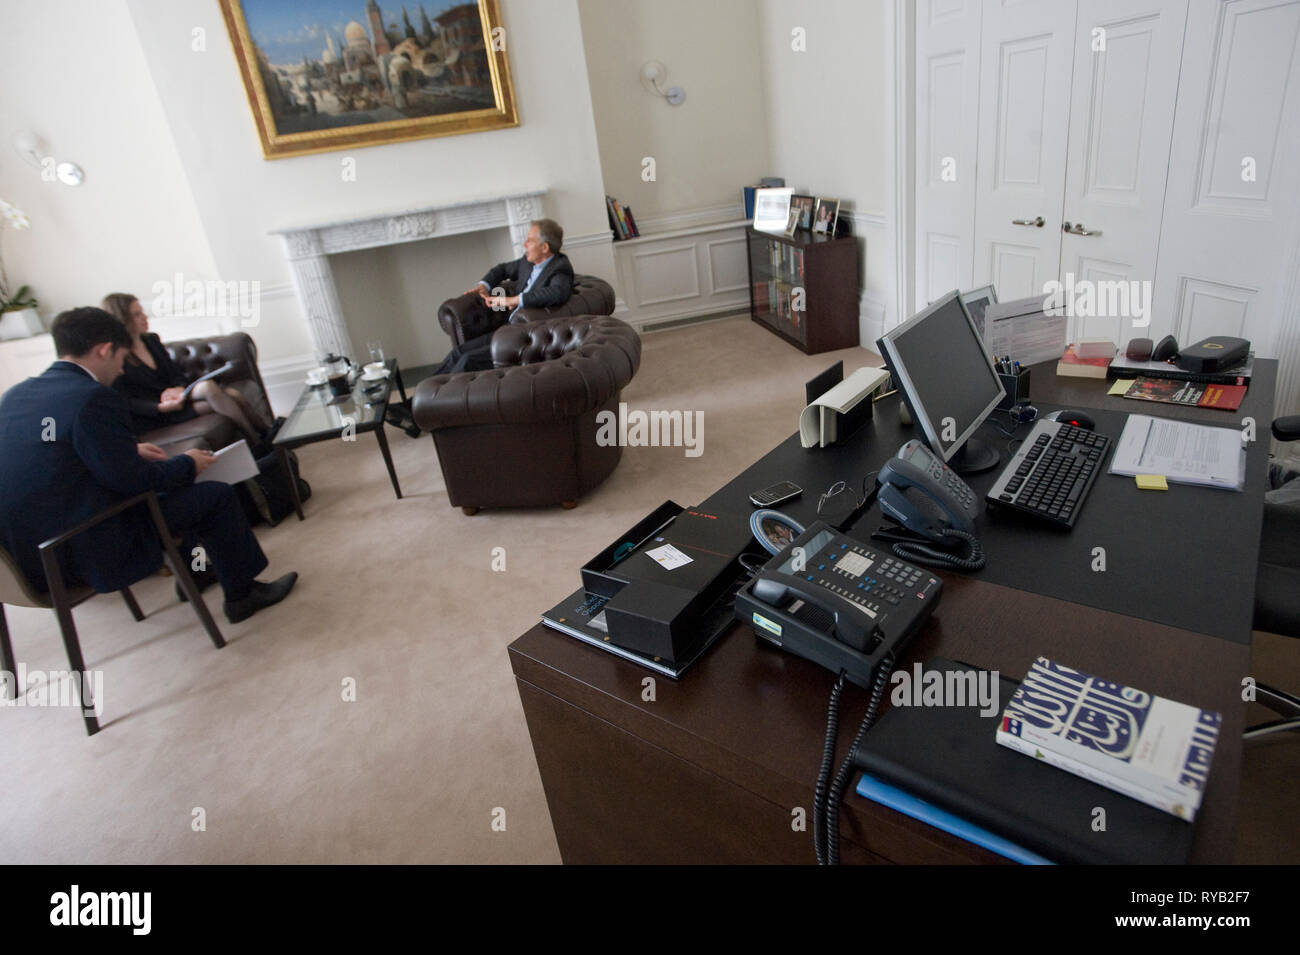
(320, 415)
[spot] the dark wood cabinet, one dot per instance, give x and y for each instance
(804, 288)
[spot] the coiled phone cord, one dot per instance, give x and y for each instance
(824, 773)
(919, 553)
(883, 670)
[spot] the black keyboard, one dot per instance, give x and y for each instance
(1051, 473)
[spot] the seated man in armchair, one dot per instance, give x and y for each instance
(544, 278)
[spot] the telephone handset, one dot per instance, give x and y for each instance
(835, 601)
(927, 497)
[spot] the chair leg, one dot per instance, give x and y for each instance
(7, 655)
(182, 573)
(72, 645)
(191, 590)
(131, 604)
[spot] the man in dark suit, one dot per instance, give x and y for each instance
(67, 452)
(544, 278)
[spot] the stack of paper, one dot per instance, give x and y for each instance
(1183, 453)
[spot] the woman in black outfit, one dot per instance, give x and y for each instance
(152, 383)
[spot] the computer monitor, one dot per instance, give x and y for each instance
(938, 361)
(976, 301)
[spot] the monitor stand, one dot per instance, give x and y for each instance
(974, 456)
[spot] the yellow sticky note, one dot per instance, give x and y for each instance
(1152, 482)
(1121, 385)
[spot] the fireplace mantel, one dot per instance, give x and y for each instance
(308, 248)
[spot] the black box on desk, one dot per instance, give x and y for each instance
(1016, 387)
(667, 583)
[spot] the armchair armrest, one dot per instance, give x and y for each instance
(1287, 428)
(49, 546)
(465, 317)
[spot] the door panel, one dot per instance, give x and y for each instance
(947, 78)
(1023, 112)
(1121, 121)
(1229, 233)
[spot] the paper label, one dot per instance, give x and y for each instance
(669, 557)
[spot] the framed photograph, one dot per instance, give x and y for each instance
(827, 214)
(805, 206)
(772, 209)
(793, 222)
(976, 301)
(322, 75)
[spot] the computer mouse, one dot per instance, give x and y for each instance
(1139, 349)
(1166, 350)
(1079, 419)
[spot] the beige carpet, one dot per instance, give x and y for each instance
(398, 596)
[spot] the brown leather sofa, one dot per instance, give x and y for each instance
(465, 316)
(524, 433)
(198, 356)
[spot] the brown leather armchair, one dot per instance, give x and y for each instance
(198, 356)
(524, 433)
(465, 316)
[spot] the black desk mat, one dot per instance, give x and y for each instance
(1185, 557)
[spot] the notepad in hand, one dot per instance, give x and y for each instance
(189, 389)
(234, 463)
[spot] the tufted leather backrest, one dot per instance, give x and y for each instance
(591, 296)
(198, 356)
(576, 365)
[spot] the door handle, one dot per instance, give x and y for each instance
(1038, 221)
(1078, 229)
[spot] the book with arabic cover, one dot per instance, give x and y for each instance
(1144, 746)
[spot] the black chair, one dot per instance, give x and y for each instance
(1277, 584)
(17, 590)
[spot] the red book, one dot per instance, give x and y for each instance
(1199, 394)
(1071, 365)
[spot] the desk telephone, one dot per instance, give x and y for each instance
(927, 497)
(837, 602)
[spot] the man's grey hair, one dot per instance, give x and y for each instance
(549, 231)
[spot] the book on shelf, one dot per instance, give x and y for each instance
(631, 222)
(614, 222)
(1195, 394)
(1155, 750)
(1072, 366)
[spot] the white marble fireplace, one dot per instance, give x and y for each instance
(309, 248)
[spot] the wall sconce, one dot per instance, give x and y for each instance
(68, 173)
(653, 75)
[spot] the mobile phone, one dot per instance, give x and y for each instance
(776, 494)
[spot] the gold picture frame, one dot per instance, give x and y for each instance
(453, 79)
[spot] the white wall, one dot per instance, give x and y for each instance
(240, 196)
(134, 219)
(827, 120)
(705, 149)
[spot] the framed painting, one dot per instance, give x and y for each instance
(338, 74)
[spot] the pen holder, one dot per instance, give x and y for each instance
(1016, 387)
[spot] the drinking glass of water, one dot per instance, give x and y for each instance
(376, 350)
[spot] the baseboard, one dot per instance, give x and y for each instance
(285, 379)
(695, 318)
(871, 320)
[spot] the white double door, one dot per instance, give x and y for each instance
(1148, 141)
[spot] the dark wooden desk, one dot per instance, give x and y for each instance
(717, 767)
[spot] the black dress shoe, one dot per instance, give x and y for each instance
(260, 597)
